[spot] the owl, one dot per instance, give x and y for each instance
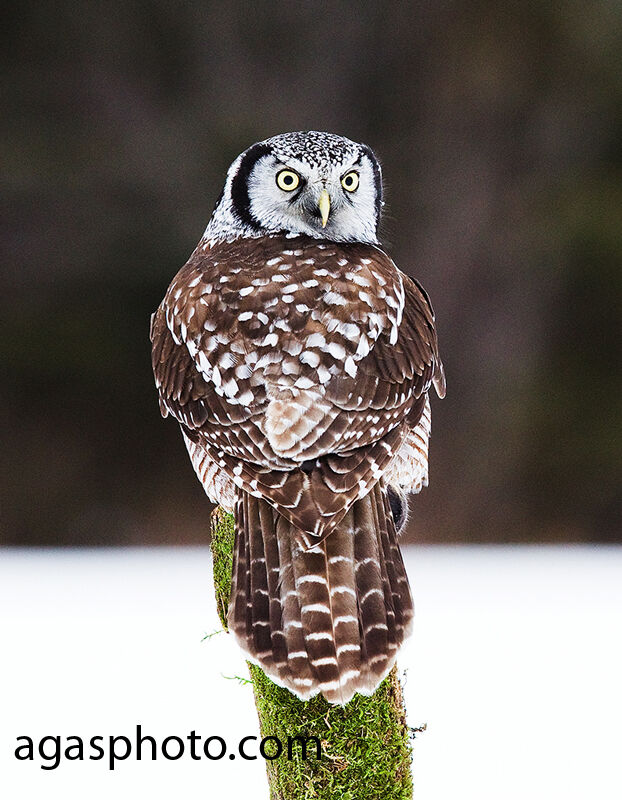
(297, 360)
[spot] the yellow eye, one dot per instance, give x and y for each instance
(288, 180)
(350, 181)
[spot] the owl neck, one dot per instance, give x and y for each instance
(225, 227)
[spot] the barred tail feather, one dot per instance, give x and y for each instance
(328, 619)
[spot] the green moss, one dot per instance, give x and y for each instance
(366, 750)
(223, 537)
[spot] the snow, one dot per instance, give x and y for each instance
(514, 666)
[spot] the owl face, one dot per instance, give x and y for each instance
(311, 183)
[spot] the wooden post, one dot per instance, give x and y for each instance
(366, 748)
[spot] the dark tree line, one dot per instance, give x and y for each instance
(500, 133)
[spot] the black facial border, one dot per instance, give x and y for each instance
(240, 199)
(365, 150)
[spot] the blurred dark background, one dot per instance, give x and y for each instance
(499, 127)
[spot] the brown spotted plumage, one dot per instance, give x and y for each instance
(299, 368)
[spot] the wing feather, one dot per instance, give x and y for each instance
(248, 324)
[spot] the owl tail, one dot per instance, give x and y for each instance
(329, 619)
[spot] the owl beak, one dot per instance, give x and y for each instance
(324, 206)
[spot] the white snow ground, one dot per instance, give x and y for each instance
(515, 665)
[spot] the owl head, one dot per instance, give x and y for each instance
(307, 183)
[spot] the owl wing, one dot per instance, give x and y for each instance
(301, 374)
(384, 406)
(396, 375)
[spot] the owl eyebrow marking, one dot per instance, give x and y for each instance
(280, 165)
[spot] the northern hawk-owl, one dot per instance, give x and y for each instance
(297, 360)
